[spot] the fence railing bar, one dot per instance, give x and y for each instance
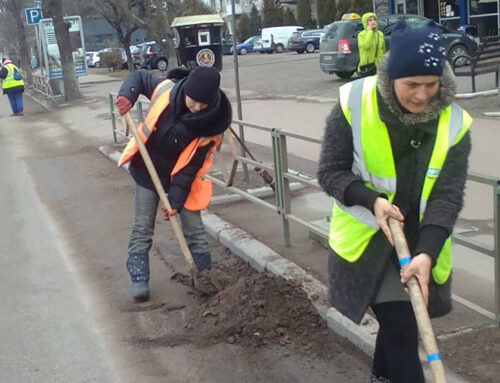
(242, 193)
(488, 314)
(309, 225)
(309, 182)
(254, 163)
(472, 244)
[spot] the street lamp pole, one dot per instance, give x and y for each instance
(237, 84)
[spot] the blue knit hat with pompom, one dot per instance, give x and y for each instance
(415, 51)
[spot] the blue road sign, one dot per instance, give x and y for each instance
(33, 15)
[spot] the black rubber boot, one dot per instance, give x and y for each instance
(203, 261)
(138, 268)
(380, 379)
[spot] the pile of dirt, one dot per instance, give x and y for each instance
(259, 310)
(474, 354)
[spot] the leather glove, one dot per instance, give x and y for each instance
(123, 104)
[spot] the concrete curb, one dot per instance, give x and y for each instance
(263, 258)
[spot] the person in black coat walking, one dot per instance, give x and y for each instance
(412, 96)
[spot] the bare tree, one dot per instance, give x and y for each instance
(53, 9)
(159, 16)
(12, 10)
(125, 17)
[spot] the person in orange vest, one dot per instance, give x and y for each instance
(183, 125)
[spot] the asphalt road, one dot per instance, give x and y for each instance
(280, 75)
(299, 75)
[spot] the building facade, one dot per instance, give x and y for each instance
(478, 17)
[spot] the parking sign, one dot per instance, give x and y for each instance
(33, 15)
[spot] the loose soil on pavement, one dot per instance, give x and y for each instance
(475, 354)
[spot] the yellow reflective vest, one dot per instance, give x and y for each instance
(9, 81)
(352, 228)
(201, 189)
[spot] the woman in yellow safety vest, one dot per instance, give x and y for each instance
(395, 146)
(181, 129)
(12, 86)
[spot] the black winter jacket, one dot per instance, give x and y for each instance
(353, 286)
(175, 129)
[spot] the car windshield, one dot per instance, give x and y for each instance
(295, 34)
(249, 40)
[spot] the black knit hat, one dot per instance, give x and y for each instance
(202, 84)
(415, 51)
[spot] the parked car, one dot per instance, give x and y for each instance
(93, 61)
(246, 46)
(88, 56)
(275, 39)
(227, 44)
(257, 45)
(135, 51)
(153, 57)
(339, 45)
(305, 41)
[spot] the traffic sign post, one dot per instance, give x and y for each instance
(33, 15)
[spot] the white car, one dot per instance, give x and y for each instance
(94, 60)
(275, 39)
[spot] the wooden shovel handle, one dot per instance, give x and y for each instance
(127, 121)
(418, 304)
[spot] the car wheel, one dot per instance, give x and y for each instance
(162, 65)
(456, 51)
(243, 51)
(300, 51)
(279, 48)
(262, 52)
(310, 48)
(97, 64)
(345, 75)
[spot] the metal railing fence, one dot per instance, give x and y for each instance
(283, 176)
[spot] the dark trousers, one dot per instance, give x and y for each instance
(16, 102)
(396, 349)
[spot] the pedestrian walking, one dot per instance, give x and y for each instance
(371, 45)
(187, 115)
(395, 146)
(12, 86)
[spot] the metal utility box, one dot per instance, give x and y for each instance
(198, 40)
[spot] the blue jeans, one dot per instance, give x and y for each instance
(16, 102)
(141, 235)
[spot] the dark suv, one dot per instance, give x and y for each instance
(339, 45)
(152, 57)
(305, 41)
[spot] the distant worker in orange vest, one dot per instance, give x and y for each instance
(183, 125)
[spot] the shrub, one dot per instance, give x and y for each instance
(111, 59)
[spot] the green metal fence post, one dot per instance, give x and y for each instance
(113, 117)
(282, 190)
(496, 239)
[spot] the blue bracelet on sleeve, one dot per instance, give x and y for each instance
(404, 261)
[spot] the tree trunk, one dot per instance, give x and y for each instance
(53, 8)
(21, 38)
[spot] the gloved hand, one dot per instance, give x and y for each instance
(123, 104)
(167, 214)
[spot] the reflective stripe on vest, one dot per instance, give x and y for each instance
(352, 228)
(201, 189)
(9, 81)
(159, 102)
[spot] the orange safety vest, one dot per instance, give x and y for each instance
(201, 189)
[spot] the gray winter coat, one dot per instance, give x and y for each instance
(354, 286)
